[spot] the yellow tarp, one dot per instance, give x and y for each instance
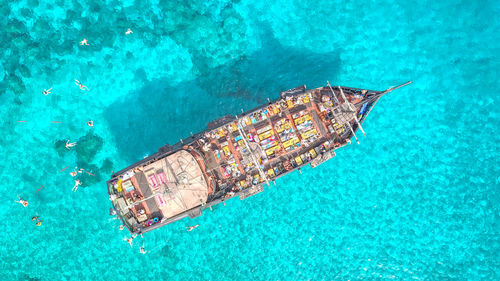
(289, 142)
(266, 135)
(302, 119)
(226, 150)
(271, 173)
(308, 134)
(272, 149)
(298, 160)
(313, 153)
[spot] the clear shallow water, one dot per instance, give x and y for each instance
(418, 199)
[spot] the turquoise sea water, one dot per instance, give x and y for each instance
(418, 199)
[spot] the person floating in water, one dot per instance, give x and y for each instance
(46, 92)
(128, 31)
(75, 187)
(82, 87)
(189, 228)
(112, 212)
(37, 219)
(90, 123)
(69, 145)
(121, 227)
(22, 201)
(84, 42)
(129, 240)
(143, 251)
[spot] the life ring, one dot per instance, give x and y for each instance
(155, 220)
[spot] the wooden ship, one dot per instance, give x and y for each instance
(238, 155)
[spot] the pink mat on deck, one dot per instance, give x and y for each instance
(163, 178)
(153, 180)
(160, 200)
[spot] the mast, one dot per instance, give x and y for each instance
(334, 95)
(350, 107)
(397, 87)
(261, 172)
(143, 200)
(338, 103)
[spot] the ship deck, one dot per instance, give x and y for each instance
(282, 136)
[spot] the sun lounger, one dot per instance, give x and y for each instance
(271, 173)
(313, 153)
(289, 142)
(265, 135)
(264, 129)
(226, 150)
(306, 98)
(127, 186)
(298, 160)
(142, 217)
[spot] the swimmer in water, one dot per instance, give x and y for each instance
(34, 218)
(69, 145)
(189, 228)
(121, 227)
(39, 223)
(112, 212)
(22, 201)
(82, 87)
(90, 123)
(84, 42)
(46, 92)
(128, 31)
(143, 251)
(129, 240)
(75, 187)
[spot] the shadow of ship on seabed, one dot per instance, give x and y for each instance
(161, 113)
